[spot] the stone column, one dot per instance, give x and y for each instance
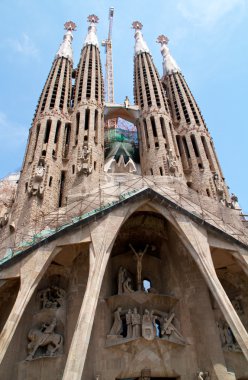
(31, 271)
(195, 238)
(102, 235)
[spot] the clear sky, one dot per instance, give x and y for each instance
(208, 39)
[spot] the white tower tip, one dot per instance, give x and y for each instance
(169, 64)
(140, 44)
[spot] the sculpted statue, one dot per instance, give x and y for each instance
(52, 297)
(129, 324)
(84, 160)
(168, 329)
(148, 327)
(36, 187)
(127, 286)
(171, 161)
(138, 257)
(122, 274)
(228, 340)
(136, 324)
(203, 376)
(44, 337)
(117, 325)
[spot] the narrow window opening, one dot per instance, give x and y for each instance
(26, 187)
(48, 129)
(154, 129)
(87, 119)
(61, 190)
(156, 144)
(161, 171)
(146, 134)
(158, 328)
(195, 146)
(56, 137)
(73, 169)
(147, 285)
(36, 139)
(186, 146)
(178, 139)
(94, 165)
(77, 127)
(151, 171)
(208, 192)
(50, 181)
(43, 153)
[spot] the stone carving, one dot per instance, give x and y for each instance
(136, 324)
(148, 325)
(228, 340)
(4, 219)
(171, 161)
(168, 329)
(139, 256)
(126, 102)
(84, 164)
(36, 186)
(51, 298)
(116, 329)
(145, 374)
(218, 184)
(203, 376)
(44, 337)
(236, 302)
(124, 281)
(234, 202)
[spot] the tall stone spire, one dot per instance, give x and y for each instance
(169, 64)
(65, 49)
(157, 142)
(195, 145)
(86, 149)
(48, 139)
(91, 38)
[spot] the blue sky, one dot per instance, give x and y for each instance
(208, 39)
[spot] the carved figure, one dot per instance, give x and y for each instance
(139, 256)
(122, 274)
(117, 325)
(168, 329)
(228, 340)
(148, 328)
(36, 186)
(218, 184)
(52, 298)
(127, 286)
(126, 102)
(44, 337)
(171, 161)
(136, 323)
(203, 376)
(129, 324)
(84, 160)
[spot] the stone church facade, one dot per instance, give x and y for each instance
(123, 255)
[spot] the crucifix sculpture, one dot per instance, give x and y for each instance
(138, 257)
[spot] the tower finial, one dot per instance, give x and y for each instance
(70, 25)
(65, 49)
(169, 64)
(140, 44)
(137, 25)
(93, 19)
(91, 38)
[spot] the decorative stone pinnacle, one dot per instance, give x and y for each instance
(70, 25)
(137, 25)
(162, 39)
(93, 19)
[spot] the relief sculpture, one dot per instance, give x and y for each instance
(45, 338)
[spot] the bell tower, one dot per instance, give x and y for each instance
(41, 173)
(158, 149)
(195, 145)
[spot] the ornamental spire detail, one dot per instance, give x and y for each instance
(140, 44)
(91, 38)
(169, 64)
(65, 49)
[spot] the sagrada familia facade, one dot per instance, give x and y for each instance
(122, 254)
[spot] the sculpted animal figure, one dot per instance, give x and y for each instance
(46, 337)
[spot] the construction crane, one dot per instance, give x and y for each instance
(109, 81)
